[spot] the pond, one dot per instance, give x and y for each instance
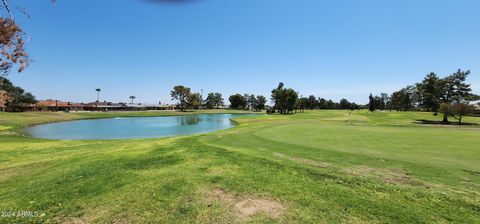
(133, 127)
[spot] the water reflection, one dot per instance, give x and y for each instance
(133, 127)
(188, 120)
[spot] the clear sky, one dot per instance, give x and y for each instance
(330, 48)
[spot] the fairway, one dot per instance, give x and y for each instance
(319, 166)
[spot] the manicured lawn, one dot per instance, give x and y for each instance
(312, 167)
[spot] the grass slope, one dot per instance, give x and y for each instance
(321, 166)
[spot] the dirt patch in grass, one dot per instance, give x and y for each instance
(75, 220)
(302, 160)
(244, 208)
(249, 207)
(392, 176)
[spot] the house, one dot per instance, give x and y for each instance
(57, 105)
(160, 106)
(105, 106)
(135, 107)
(77, 107)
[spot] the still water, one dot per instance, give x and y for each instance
(134, 127)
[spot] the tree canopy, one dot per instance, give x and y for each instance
(17, 97)
(259, 104)
(181, 94)
(193, 100)
(237, 101)
(214, 100)
(449, 95)
(285, 99)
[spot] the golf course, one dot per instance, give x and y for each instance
(319, 166)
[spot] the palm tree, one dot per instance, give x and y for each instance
(132, 98)
(98, 94)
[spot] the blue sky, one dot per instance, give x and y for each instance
(332, 49)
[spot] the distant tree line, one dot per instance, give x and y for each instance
(188, 100)
(287, 101)
(450, 95)
(247, 102)
(312, 102)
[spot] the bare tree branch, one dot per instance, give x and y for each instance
(8, 9)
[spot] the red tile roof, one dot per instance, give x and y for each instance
(53, 103)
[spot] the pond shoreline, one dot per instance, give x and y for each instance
(162, 125)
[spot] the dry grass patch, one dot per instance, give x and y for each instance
(392, 176)
(302, 160)
(74, 220)
(245, 208)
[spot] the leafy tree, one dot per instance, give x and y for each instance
(330, 105)
(371, 103)
(446, 109)
(404, 99)
(384, 99)
(260, 103)
(277, 96)
(237, 101)
(430, 90)
(17, 97)
(378, 101)
(388, 101)
(345, 105)
(455, 90)
(322, 103)
(214, 100)
(250, 99)
(20, 99)
(193, 100)
(180, 93)
(461, 109)
(290, 100)
(396, 100)
(354, 106)
(302, 104)
(432, 94)
(285, 99)
(312, 102)
(132, 98)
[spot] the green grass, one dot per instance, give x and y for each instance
(379, 167)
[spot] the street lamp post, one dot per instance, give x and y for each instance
(98, 98)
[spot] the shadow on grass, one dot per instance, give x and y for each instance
(441, 123)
